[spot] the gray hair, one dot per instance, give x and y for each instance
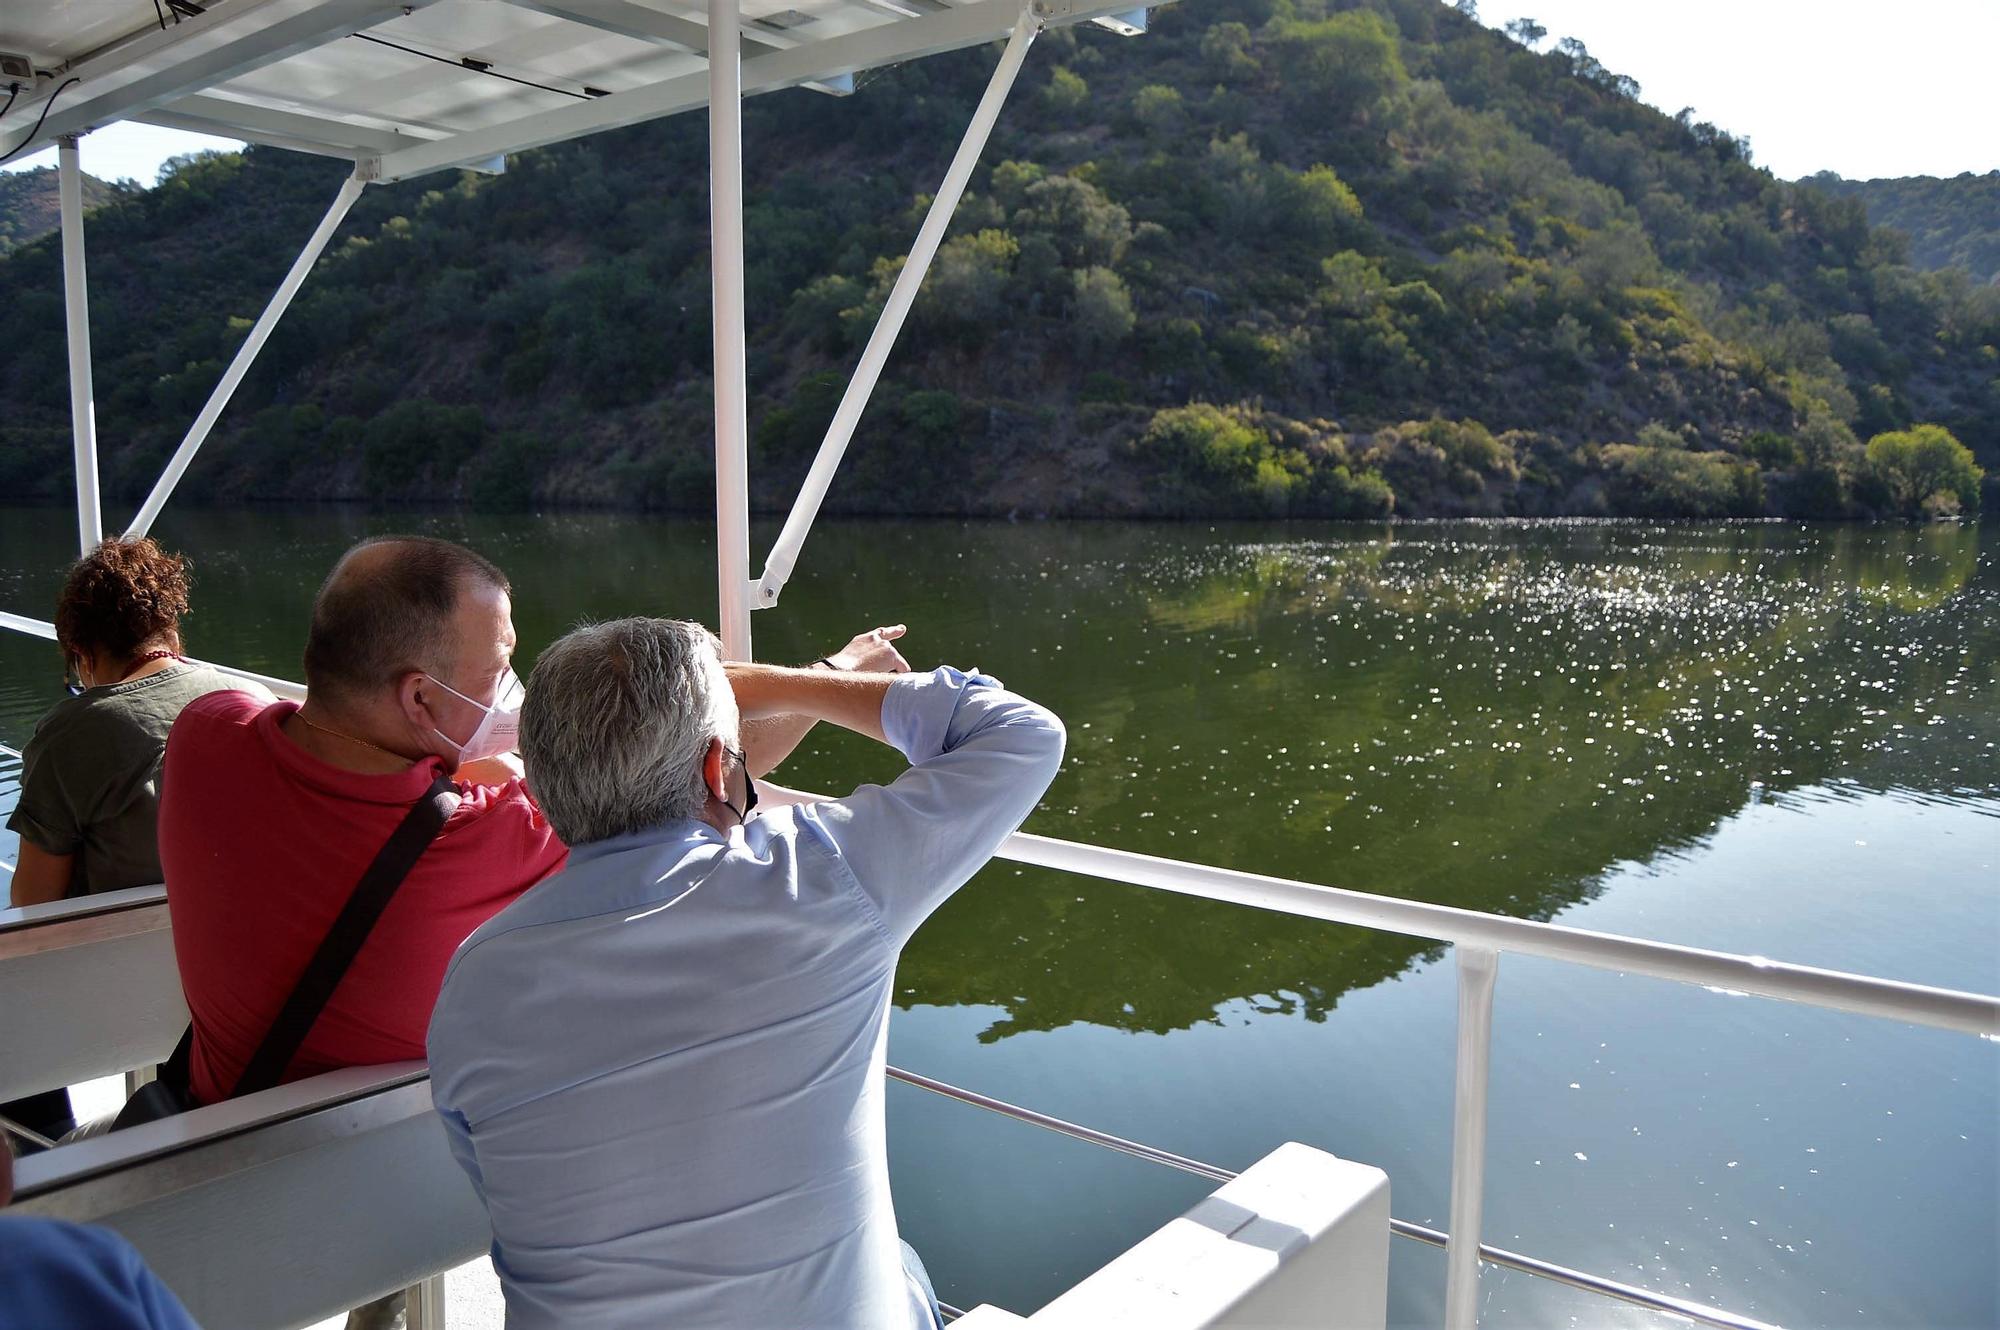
(617, 721)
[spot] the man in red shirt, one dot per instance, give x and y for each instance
(269, 813)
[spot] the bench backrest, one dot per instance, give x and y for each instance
(280, 1208)
(88, 987)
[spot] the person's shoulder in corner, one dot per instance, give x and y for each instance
(212, 681)
(60, 1274)
(232, 705)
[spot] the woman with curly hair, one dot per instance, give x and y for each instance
(90, 782)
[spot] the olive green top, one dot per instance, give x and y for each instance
(90, 784)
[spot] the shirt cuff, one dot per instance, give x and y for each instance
(42, 835)
(918, 708)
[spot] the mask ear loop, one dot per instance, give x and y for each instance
(749, 789)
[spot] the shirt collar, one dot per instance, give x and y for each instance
(680, 830)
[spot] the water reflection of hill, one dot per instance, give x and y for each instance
(1480, 715)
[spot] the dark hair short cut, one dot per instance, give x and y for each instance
(120, 596)
(371, 627)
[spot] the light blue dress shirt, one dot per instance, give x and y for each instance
(662, 1067)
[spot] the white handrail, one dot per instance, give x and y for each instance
(1920, 1004)
(284, 688)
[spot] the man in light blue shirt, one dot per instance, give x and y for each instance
(662, 1067)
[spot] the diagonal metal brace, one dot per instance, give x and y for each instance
(784, 555)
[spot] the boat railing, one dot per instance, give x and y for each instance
(1478, 940)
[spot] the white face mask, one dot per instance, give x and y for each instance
(499, 729)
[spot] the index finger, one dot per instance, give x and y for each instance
(890, 632)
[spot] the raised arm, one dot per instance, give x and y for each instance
(980, 756)
(769, 739)
(850, 700)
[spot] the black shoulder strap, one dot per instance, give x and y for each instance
(350, 930)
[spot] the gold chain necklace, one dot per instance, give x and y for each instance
(350, 738)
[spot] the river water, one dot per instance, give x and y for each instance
(1766, 738)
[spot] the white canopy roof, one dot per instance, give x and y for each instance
(412, 86)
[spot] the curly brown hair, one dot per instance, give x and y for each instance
(120, 596)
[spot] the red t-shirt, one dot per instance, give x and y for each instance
(262, 844)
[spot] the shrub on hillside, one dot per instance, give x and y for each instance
(416, 443)
(793, 432)
(504, 475)
(1159, 110)
(1225, 50)
(1925, 472)
(1342, 66)
(1066, 91)
(1100, 311)
(964, 293)
(1452, 467)
(1776, 452)
(1236, 461)
(1664, 482)
(1074, 215)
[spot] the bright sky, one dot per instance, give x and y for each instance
(124, 151)
(1851, 85)
(1863, 88)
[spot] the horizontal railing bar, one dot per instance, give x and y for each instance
(1562, 1274)
(20, 623)
(1058, 1125)
(1950, 1009)
(284, 688)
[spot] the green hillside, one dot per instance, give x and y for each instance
(1952, 223)
(1275, 257)
(30, 208)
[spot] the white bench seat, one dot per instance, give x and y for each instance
(280, 1208)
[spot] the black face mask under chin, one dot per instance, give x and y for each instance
(749, 790)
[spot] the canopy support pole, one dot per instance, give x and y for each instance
(76, 307)
(785, 554)
(732, 390)
(246, 355)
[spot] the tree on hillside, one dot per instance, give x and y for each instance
(1348, 63)
(1527, 32)
(1926, 471)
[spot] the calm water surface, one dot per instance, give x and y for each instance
(1762, 738)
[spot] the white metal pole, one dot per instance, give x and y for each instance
(732, 389)
(76, 303)
(177, 465)
(1478, 967)
(784, 555)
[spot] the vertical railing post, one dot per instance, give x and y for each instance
(1478, 967)
(246, 355)
(732, 391)
(76, 306)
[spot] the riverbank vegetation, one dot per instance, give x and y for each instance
(1277, 257)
